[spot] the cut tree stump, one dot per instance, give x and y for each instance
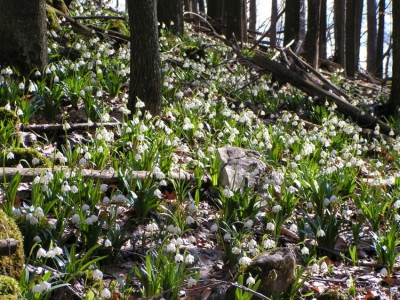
(105, 176)
(8, 246)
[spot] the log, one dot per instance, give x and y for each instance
(60, 127)
(105, 176)
(8, 247)
(285, 74)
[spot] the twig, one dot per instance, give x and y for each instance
(99, 17)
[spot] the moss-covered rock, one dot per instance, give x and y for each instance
(119, 26)
(27, 155)
(331, 295)
(11, 265)
(9, 288)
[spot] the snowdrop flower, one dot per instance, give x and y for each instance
(171, 247)
(384, 272)
(227, 193)
(192, 207)
(16, 212)
(85, 207)
(37, 73)
(250, 280)
(305, 250)
(39, 212)
(107, 243)
(157, 193)
(89, 221)
(189, 220)
(276, 208)
(35, 161)
(324, 267)
(189, 259)
(94, 218)
(105, 293)
(33, 220)
(178, 258)
(315, 268)
(37, 239)
(10, 155)
(252, 243)
(244, 261)
(309, 205)
(191, 282)
(214, 227)
(249, 224)
(139, 103)
(236, 250)
(270, 226)
(268, 244)
(37, 288)
(191, 239)
(66, 126)
(152, 227)
(293, 228)
(326, 201)
(74, 189)
(103, 188)
(41, 253)
(333, 199)
(320, 233)
(97, 275)
(396, 205)
(227, 237)
(75, 219)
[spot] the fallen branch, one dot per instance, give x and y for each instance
(105, 176)
(60, 127)
(8, 246)
(99, 18)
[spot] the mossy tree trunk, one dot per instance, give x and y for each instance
(145, 82)
(171, 10)
(23, 34)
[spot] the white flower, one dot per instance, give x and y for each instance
(252, 243)
(191, 239)
(35, 161)
(333, 199)
(214, 227)
(326, 201)
(227, 193)
(244, 260)
(276, 208)
(107, 243)
(249, 224)
(324, 267)
(37, 74)
(315, 268)
(16, 212)
(157, 193)
(191, 282)
(320, 233)
(37, 239)
(268, 244)
(270, 226)
(189, 259)
(171, 247)
(396, 205)
(33, 220)
(97, 275)
(236, 250)
(227, 237)
(189, 220)
(139, 104)
(85, 207)
(309, 205)
(305, 250)
(383, 272)
(39, 212)
(94, 218)
(89, 221)
(41, 253)
(10, 155)
(152, 227)
(293, 228)
(103, 188)
(250, 280)
(178, 258)
(66, 126)
(192, 207)
(75, 219)
(74, 189)
(105, 293)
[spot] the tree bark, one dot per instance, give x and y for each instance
(214, 9)
(292, 22)
(394, 102)
(234, 18)
(145, 82)
(339, 25)
(380, 40)
(322, 31)
(23, 38)
(253, 15)
(274, 20)
(372, 37)
(353, 30)
(171, 11)
(311, 46)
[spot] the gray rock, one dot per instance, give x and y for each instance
(239, 168)
(276, 270)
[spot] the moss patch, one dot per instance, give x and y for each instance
(25, 156)
(9, 287)
(11, 265)
(9, 117)
(331, 295)
(52, 17)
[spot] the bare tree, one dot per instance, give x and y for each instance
(253, 14)
(145, 82)
(311, 45)
(274, 20)
(234, 17)
(171, 11)
(380, 39)
(23, 39)
(353, 31)
(292, 22)
(394, 102)
(339, 24)
(322, 30)
(214, 9)
(372, 37)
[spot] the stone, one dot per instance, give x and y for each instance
(275, 268)
(240, 168)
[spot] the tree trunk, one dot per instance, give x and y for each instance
(292, 22)
(145, 82)
(244, 22)
(274, 20)
(23, 39)
(202, 7)
(372, 37)
(253, 15)
(380, 40)
(214, 9)
(311, 45)
(171, 10)
(394, 102)
(234, 18)
(353, 30)
(302, 34)
(339, 24)
(322, 31)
